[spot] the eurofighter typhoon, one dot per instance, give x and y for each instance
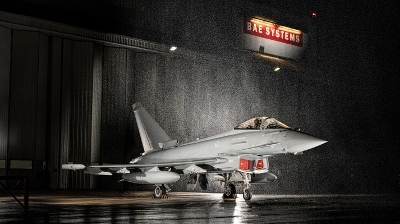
(236, 157)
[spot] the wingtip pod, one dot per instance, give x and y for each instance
(73, 166)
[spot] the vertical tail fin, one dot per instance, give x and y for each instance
(151, 133)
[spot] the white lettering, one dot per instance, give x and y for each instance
(272, 32)
(255, 28)
(267, 31)
(248, 25)
(292, 38)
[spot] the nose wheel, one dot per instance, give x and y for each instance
(247, 194)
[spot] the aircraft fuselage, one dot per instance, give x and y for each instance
(234, 143)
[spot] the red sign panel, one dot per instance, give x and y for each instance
(271, 31)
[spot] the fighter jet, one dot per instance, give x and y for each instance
(238, 157)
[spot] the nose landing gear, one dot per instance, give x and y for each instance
(247, 194)
(246, 191)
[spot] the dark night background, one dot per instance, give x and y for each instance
(357, 44)
(348, 95)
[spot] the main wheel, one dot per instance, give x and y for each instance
(247, 194)
(159, 191)
(230, 191)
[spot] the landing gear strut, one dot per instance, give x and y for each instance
(160, 191)
(246, 192)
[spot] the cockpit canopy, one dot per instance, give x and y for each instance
(261, 123)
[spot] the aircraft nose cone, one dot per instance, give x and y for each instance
(298, 142)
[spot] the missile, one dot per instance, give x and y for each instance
(151, 177)
(73, 167)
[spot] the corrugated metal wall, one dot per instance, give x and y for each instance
(54, 119)
(96, 110)
(47, 98)
(77, 90)
(5, 62)
(23, 95)
(28, 104)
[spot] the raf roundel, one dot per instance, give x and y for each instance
(216, 144)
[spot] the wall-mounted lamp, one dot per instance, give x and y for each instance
(173, 48)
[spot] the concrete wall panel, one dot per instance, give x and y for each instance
(113, 105)
(132, 141)
(114, 111)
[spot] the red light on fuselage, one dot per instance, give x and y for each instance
(260, 164)
(244, 164)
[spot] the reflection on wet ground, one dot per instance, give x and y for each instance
(189, 207)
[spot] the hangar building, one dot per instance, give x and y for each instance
(70, 71)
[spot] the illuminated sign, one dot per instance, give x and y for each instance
(271, 31)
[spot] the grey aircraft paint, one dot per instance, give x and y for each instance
(237, 156)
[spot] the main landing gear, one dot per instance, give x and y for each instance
(160, 192)
(230, 191)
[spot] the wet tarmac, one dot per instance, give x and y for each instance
(189, 207)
